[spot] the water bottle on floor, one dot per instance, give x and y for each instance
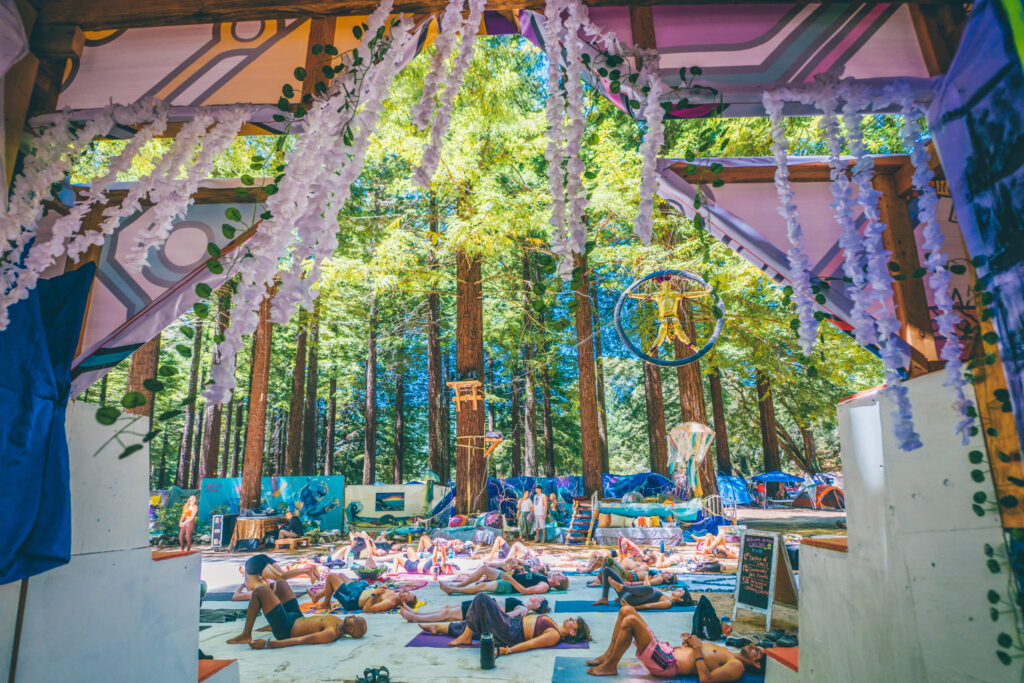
(663, 547)
(486, 651)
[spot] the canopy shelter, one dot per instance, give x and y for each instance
(777, 477)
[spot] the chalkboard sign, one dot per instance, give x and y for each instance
(764, 575)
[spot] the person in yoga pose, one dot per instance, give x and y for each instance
(626, 568)
(261, 568)
(511, 634)
(356, 594)
(659, 561)
(714, 545)
(710, 663)
(362, 546)
(513, 607)
(640, 596)
(187, 523)
(502, 583)
(281, 608)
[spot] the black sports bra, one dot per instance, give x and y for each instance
(543, 625)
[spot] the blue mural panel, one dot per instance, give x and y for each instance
(315, 499)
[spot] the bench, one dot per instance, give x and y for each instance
(291, 543)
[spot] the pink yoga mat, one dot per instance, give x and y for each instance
(429, 640)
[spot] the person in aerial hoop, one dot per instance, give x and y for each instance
(669, 324)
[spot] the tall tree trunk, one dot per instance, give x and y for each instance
(399, 422)
(549, 430)
(470, 468)
(721, 433)
(691, 398)
(293, 456)
(810, 451)
(252, 466)
(143, 366)
(591, 441)
(517, 431)
(239, 436)
(229, 414)
(370, 432)
(769, 438)
(491, 409)
(656, 436)
(602, 413)
(437, 407)
(274, 452)
(103, 390)
(185, 453)
(197, 456)
(161, 481)
(331, 416)
(309, 440)
(529, 387)
(211, 438)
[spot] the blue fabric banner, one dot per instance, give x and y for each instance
(38, 346)
(315, 499)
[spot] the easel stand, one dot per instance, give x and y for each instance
(759, 582)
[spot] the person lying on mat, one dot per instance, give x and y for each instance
(426, 544)
(710, 663)
(281, 608)
(513, 607)
(660, 561)
(526, 583)
(292, 528)
(596, 561)
(418, 564)
(354, 594)
(627, 570)
(501, 550)
(712, 545)
(261, 568)
(511, 634)
(640, 596)
(362, 546)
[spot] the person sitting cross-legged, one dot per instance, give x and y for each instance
(281, 608)
(511, 634)
(710, 663)
(293, 526)
(513, 607)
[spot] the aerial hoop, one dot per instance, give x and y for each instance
(668, 317)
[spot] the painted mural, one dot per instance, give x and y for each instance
(315, 499)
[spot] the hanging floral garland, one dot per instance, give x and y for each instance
(654, 115)
(448, 29)
(554, 152)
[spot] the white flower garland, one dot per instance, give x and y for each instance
(432, 150)
(798, 261)
(935, 262)
(576, 193)
(554, 153)
(448, 28)
(654, 114)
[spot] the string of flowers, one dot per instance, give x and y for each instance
(576, 194)
(654, 114)
(443, 45)
(799, 263)
(432, 150)
(935, 262)
(554, 152)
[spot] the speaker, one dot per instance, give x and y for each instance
(223, 526)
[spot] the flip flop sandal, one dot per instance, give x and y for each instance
(383, 675)
(787, 640)
(740, 642)
(766, 643)
(774, 634)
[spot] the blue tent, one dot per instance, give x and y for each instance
(647, 483)
(565, 487)
(733, 490)
(777, 477)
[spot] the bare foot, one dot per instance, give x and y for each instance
(445, 587)
(603, 670)
(268, 627)
(594, 583)
(596, 661)
(602, 601)
(461, 640)
(241, 639)
(433, 629)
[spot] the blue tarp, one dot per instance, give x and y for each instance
(734, 490)
(708, 525)
(647, 483)
(565, 487)
(39, 345)
(777, 477)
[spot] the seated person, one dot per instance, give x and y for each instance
(641, 596)
(710, 663)
(714, 545)
(526, 583)
(292, 528)
(513, 607)
(511, 634)
(354, 594)
(281, 608)
(261, 568)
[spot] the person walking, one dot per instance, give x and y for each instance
(525, 514)
(540, 512)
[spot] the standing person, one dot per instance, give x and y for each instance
(525, 507)
(540, 512)
(555, 508)
(187, 523)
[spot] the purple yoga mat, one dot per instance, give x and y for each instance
(428, 640)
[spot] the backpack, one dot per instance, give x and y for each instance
(706, 624)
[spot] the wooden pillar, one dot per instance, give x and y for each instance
(143, 366)
(908, 293)
(769, 437)
(718, 412)
(470, 468)
(252, 465)
(590, 439)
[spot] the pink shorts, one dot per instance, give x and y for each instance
(659, 658)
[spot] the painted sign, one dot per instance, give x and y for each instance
(314, 499)
(765, 575)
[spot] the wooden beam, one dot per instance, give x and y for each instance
(812, 172)
(103, 15)
(641, 20)
(908, 293)
(938, 28)
(321, 32)
(57, 41)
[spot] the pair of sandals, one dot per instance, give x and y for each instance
(775, 638)
(378, 675)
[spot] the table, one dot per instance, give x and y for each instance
(254, 527)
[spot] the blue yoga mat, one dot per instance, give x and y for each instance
(574, 670)
(706, 583)
(565, 606)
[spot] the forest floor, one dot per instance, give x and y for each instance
(384, 644)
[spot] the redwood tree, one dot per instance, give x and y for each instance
(143, 367)
(691, 397)
(185, 452)
(470, 469)
(331, 416)
(721, 433)
(211, 437)
(656, 436)
(590, 440)
(309, 439)
(769, 436)
(437, 408)
(399, 423)
(293, 455)
(252, 467)
(602, 413)
(529, 387)
(370, 419)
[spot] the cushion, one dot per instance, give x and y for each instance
(619, 521)
(655, 520)
(604, 520)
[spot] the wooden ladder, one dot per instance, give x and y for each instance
(582, 524)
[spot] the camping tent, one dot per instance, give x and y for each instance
(825, 498)
(733, 490)
(777, 477)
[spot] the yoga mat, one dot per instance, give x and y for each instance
(574, 670)
(585, 606)
(706, 583)
(220, 616)
(429, 640)
(218, 597)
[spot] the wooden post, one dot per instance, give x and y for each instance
(908, 293)
(590, 439)
(252, 466)
(143, 366)
(718, 411)
(470, 468)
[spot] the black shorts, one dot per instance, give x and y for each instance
(283, 617)
(255, 565)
